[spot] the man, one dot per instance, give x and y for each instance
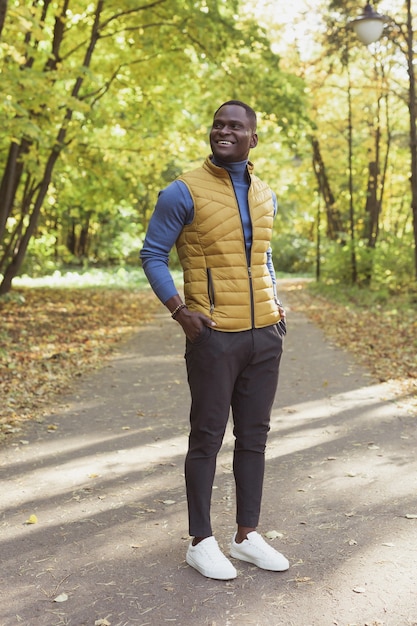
(220, 218)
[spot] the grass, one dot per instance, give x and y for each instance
(113, 278)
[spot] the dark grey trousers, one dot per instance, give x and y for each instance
(237, 370)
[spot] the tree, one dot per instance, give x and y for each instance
(3, 11)
(100, 93)
(361, 130)
(335, 226)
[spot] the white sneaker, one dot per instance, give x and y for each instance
(255, 550)
(207, 558)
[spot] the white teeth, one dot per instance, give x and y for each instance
(225, 143)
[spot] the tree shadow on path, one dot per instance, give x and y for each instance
(107, 488)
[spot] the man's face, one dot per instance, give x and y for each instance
(231, 135)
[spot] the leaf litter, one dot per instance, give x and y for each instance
(51, 337)
(387, 347)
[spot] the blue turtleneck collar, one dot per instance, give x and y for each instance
(238, 171)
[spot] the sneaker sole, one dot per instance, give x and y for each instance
(207, 573)
(248, 559)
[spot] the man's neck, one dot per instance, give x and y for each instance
(237, 170)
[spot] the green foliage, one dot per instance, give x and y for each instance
(101, 99)
(117, 102)
(369, 298)
(393, 264)
(293, 254)
(388, 268)
(125, 277)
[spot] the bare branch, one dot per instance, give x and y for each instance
(144, 7)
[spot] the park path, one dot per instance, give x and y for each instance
(103, 474)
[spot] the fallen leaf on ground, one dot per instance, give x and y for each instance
(63, 339)
(359, 589)
(32, 519)
(273, 534)
(388, 351)
(54, 336)
(61, 598)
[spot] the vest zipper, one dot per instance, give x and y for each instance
(210, 290)
(252, 305)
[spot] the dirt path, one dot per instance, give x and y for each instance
(104, 478)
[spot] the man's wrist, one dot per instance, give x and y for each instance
(177, 309)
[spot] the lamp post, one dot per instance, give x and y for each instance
(369, 25)
(369, 28)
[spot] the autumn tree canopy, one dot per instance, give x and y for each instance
(105, 102)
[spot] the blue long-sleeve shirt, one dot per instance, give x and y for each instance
(174, 209)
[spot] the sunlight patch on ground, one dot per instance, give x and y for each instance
(122, 475)
(59, 476)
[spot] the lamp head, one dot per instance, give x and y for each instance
(369, 26)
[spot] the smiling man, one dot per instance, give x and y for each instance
(220, 218)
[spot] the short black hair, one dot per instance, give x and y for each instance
(249, 111)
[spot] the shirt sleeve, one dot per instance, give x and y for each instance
(173, 210)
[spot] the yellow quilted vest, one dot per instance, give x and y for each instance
(211, 250)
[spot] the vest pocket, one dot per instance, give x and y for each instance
(210, 290)
(282, 326)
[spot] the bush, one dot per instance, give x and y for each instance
(293, 254)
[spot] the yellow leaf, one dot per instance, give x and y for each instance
(32, 520)
(61, 598)
(273, 534)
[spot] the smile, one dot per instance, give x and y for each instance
(225, 143)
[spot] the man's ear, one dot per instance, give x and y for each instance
(254, 141)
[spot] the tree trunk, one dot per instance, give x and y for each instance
(10, 181)
(19, 255)
(352, 226)
(15, 264)
(372, 206)
(3, 11)
(334, 220)
(413, 127)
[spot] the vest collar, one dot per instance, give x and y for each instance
(221, 170)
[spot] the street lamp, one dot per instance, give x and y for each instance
(368, 28)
